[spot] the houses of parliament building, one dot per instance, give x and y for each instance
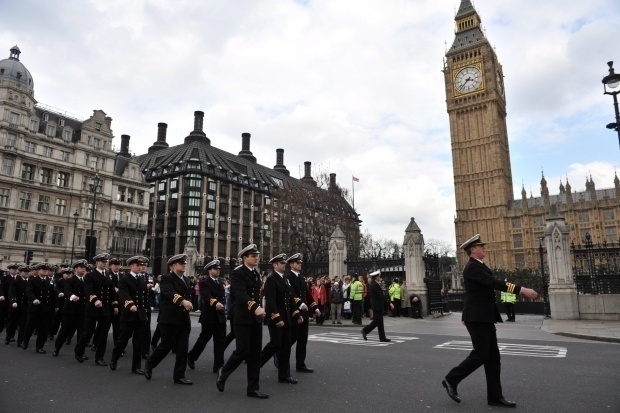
(485, 203)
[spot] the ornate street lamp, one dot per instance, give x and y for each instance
(610, 85)
(76, 215)
(94, 186)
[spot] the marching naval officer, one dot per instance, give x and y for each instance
(377, 299)
(174, 321)
(479, 316)
(245, 283)
(282, 312)
(212, 317)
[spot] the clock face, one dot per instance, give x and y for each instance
(500, 83)
(468, 80)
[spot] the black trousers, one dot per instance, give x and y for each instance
(249, 340)
(356, 309)
(299, 335)
(146, 341)
(129, 329)
(56, 319)
(40, 322)
(115, 321)
(3, 313)
(156, 336)
(70, 324)
(416, 310)
(485, 352)
(396, 310)
(173, 336)
(510, 311)
(12, 323)
(279, 344)
(100, 326)
(208, 330)
(377, 322)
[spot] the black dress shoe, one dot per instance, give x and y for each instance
(304, 369)
(79, 357)
(191, 363)
(68, 342)
(385, 340)
(276, 361)
(148, 371)
(220, 382)
(258, 394)
(7, 341)
(112, 365)
(93, 348)
(185, 381)
(84, 357)
(25, 346)
(41, 351)
(55, 353)
(19, 345)
(451, 391)
(364, 335)
(502, 403)
(123, 354)
(101, 363)
(12, 340)
(289, 380)
(139, 372)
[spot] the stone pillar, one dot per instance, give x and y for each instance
(192, 257)
(414, 263)
(563, 301)
(337, 254)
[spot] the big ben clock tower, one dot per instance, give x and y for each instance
(476, 102)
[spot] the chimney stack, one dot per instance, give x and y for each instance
(280, 163)
(161, 138)
(124, 145)
(246, 153)
(197, 135)
(308, 174)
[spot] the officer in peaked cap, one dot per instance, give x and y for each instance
(114, 274)
(245, 284)
(7, 310)
(305, 303)
(479, 316)
(101, 257)
(72, 312)
(102, 304)
(133, 295)
(250, 249)
(377, 300)
(41, 308)
(282, 312)
(212, 317)
(62, 274)
(179, 258)
(174, 322)
(19, 303)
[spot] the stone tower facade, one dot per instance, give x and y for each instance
(476, 103)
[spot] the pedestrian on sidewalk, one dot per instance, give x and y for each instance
(376, 301)
(405, 304)
(509, 301)
(336, 299)
(479, 317)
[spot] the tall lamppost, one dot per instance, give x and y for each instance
(75, 218)
(610, 85)
(94, 186)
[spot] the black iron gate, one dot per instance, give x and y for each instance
(390, 267)
(433, 282)
(596, 268)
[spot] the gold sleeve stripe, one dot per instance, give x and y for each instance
(213, 301)
(128, 303)
(250, 304)
(511, 287)
(114, 302)
(275, 315)
(297, 299)
(176, 298)
(295, 312)
(92, 297)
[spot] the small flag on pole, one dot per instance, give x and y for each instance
(355, 179)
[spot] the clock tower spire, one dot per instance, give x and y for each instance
(476, 104)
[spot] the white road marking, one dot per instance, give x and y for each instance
(356, 339)
(527, 350)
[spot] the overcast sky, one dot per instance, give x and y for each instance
(355, 86)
